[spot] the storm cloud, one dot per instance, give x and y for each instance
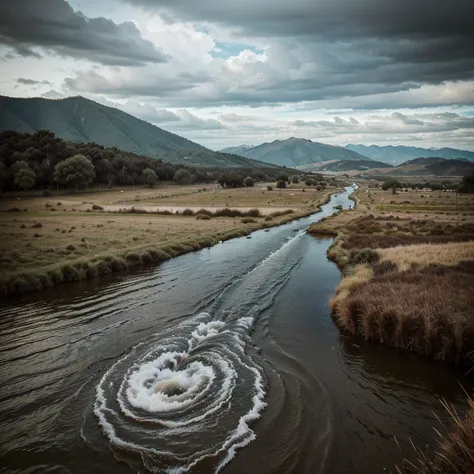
(29, 26)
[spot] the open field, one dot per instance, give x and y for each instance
(87, 231)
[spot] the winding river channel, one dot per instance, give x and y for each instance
(225, 360)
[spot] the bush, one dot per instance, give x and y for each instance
(13, 209)
(188, 212)
(269, 218)
(269, 188)
(253, 213)
(96, 207)
(204, 211)
(281, 184)
(203, 217)
(247, 220)
(37, 225)
(365, 255)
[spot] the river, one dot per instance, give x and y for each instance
(225, 360)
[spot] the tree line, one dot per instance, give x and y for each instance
(43, 161)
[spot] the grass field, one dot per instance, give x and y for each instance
(90, 230)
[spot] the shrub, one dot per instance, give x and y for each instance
(37, 225)
(13, 209)
(365, 255)
(188, 212)
(133, 258)
(71, 247)
(269, 218)
(36, 235)
(269, 188)
(203, 217)
(70, 273)
(247, 220)
(204, 211)
(281, 184)
(96, 207)
(253, 213)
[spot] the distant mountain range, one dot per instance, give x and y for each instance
(82, 120)
(399, 154)
(295, 152)
(423, 167)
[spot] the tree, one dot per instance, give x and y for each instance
(282, 177)
(182, 176)
(281, 184)
(25, 178)
(248, 181)
(76, 171)
(149, 177)
(435, 185)
(295, 180)
(467, 184)
(309, 182)
(391, 184)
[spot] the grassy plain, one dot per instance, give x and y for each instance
(75, 236)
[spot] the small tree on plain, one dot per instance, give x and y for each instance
(76, 171)
(249, 182)
(281, 184)
(309, 182)
(25, 178)
(149, 177)
(295, 180)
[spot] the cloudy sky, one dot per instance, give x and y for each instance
(226, 73)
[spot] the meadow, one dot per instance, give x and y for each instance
(47, 240)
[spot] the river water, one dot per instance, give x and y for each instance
(221, 360)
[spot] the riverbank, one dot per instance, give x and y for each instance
(73, 244)
(407, 280)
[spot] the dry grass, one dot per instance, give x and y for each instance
(40, 248)
(428, 311)
(455, 451)
(424, 255)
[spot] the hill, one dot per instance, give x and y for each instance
(297, 152)
(399, 154)
(432, 166)
(353, 165)
(236, 150)
(81, 120)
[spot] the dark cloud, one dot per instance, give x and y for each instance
(425, 40)
(54, 26)
(333, 18)
(31, 82)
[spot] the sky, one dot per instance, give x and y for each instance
(225, 73)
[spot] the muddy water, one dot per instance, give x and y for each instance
(222, 360)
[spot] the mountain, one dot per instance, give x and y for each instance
(236, 150)
(399, 154)
(432, 166)
(297, 152)
(82, 120)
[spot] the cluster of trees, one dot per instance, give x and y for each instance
(467, 185)
(43, 161)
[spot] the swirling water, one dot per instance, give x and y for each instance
(221, 360)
